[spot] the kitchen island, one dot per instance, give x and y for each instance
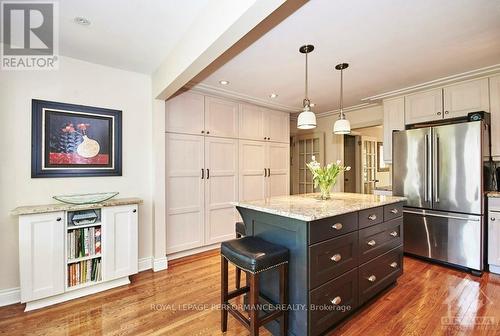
(343, 252)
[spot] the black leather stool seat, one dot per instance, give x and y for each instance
(241, 229)
(253, 254)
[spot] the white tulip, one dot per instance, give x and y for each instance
(347, 168)
(313, 158)
(338, 162)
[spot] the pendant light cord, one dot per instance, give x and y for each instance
(341, 93)
(306, 99)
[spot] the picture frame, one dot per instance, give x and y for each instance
(69, 140)
(381, 166)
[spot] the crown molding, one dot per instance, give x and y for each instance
(347, 109)
(473, 74)
(212, 90)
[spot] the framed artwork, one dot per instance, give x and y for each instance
(70, 140)
(381, 166)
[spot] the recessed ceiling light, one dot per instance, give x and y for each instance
(223, 82)
(82, 21)
(273, 95)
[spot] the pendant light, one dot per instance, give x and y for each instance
(307, 118)
(342, 125)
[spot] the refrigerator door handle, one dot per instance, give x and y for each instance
(435, 177)
(423, 213)
(426, 172)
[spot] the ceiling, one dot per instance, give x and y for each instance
(389, 44)
(131, 35)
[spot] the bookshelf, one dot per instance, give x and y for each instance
(61, 260)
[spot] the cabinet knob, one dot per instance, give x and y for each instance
(208, 132)
(394, 233)
(446, 112)
(265, 138)
(58, 219)
(336, 257)
(372, 242)
(394, 264)
(337, 226)
(439, 113)
(372, 217)
(337, 300)
(372, 278)
(202, 132)
(135, 210)
(394, 211)
(492, 219)
(268, 138)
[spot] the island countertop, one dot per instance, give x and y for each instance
(309, 207)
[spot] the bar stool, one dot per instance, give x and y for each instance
(254, 255)
(240, 232)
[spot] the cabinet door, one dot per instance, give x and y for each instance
(424, 106)
(41, 255)
(221, 117)
(394, 119)
(460, 99)
(184, 192)
(252, 161)
(185, 113)
(119, 241)
(252, 122)
(495, 116)
(278, 163)
(278, 126)
(494, 239)
(221, 188)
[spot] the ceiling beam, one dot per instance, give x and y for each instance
(221, 25)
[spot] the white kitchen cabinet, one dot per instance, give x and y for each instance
(185, 113)
(252, 122)
(184, 191)
(252, 170)
(41, 255)
(462, 98)
(424, 106)
(221, 117)
(277, 126)
(278, 163)
(120, 241)
(494, 234)
(394, 120)
(495, 116)
(221, 188)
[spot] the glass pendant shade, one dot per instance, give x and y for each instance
(306, 119)
(342, 126)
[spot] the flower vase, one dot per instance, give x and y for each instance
(325, 190)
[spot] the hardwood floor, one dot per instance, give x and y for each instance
(428, 300)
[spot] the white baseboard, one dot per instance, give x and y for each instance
(10, 296)
(145, 264)
(197, 250)
(160, 264)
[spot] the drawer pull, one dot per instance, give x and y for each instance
(492, 219)
(394, 234)
(336, 301)
(372, 278)
(372, 217)
(394, 264)
(394, 211)
(336, 257)
(337, 226)
(372, 242)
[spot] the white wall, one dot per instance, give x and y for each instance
(82, 83)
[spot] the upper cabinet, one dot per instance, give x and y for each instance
(495, 116)
(471, 96)
(449, 102)
(424, 106)
(185, 114)
(221, 117)
(394, 120)
(258, 123)
(278, 126)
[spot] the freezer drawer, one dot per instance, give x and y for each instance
(448, 237)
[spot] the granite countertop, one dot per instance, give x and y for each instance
(308, 207)
(384, 188)
(34, 209)
(493, 194)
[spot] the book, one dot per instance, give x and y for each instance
(98, 240)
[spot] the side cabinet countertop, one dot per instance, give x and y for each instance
(35, 209)
(493, 194)
(309, 207)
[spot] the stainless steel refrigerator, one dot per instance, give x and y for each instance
(440, 170)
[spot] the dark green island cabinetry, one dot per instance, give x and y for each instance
(343, 252)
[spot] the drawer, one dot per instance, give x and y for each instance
(392, 211)
(378, 239)
(371, 217)
(332, 302)
(327, 228)
(331, 258)
(379, 273)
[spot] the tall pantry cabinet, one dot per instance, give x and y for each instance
(217, 152)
